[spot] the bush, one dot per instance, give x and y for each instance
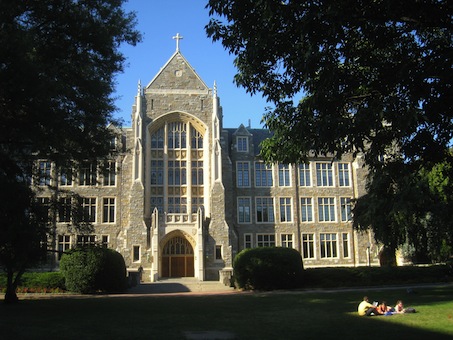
(336, 277)
(45, 281)
(37, 282)
(268, 268)
(91, 269)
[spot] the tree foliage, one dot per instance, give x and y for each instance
(373, 74)
(417, 211)
(57, 66)
(367, 77)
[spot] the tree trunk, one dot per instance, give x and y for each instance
(387, 257)
(11, 285)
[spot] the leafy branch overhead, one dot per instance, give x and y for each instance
(371, 78)
(57, 66)
(361, 76)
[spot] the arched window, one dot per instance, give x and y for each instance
(178, 246)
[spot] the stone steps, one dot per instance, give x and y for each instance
(179, 286)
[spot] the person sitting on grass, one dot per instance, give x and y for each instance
(366, 308)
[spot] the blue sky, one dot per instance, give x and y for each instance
(159, 21)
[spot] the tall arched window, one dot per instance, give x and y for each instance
(176, 178)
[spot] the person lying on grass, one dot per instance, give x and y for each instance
(383, 309)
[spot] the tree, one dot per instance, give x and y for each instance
(57, 67)
(373, 78)
(22, 229)
(418, 211)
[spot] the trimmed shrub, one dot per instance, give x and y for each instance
(335, 277)
(37, 282)
(92, 269)
(113, 275)
(267, 268)
(43, 280)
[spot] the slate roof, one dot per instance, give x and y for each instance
(258, 135)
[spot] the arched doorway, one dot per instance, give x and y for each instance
(177, 258)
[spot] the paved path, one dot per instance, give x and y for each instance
(181, 289)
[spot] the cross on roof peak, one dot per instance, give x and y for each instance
(177, 37)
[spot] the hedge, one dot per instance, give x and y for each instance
(268, 268)
(93, 269)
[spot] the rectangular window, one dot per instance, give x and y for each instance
(157, 202)
(324, 175)
(109, 173)
(345, 239)
(108, 210)
(304, 175)
(287, 240)
(263, 175)
(177, 205)
(343, 174)
(264, 209)
(43, 209)
(64, 209)
(157, 172)
(244, 208)
(265, 240)
(177, 173)
(242, 144)
(66, 176)
(345, 207)
(218, 252)
(197, 172)
(306, 207)
(89, 209)
(326, 209)
(197, 202)
(308, 246)
(242, 174)
(44, 173)
(284, 179)
(136, 253)
(105, 241)
(64, 244)
(86, 240)
(248, 241)
(328, 243)
(285, 209)
(88, 174)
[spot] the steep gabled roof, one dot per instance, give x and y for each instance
(176, 74)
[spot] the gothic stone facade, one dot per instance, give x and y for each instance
(186, 195)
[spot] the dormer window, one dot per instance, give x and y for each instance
(242, 144)
(112, 143)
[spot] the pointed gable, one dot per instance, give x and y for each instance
(255, 137)
(242, 131)
(177, 75)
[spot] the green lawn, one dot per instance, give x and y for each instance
(278, 315)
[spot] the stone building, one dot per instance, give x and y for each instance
(185, 195)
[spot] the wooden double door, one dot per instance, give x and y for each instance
(178, 258)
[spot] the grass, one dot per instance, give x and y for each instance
(273, 315)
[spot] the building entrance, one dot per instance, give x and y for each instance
(178, 258)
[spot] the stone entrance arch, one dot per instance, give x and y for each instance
(177, 257)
